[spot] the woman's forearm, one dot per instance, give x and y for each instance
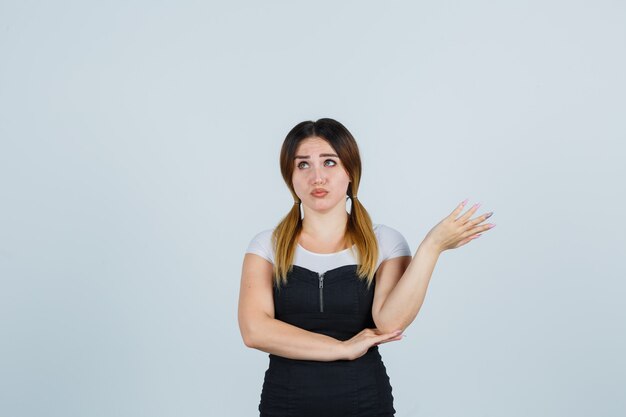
(289, 341)
(405, 300)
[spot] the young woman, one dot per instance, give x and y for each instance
(325, 287)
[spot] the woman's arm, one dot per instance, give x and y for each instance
(404, 301)
(260, 330)
(289, 341)
(402, 304)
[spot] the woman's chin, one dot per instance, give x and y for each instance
(322, 205)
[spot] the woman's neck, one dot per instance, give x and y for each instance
(325, 229)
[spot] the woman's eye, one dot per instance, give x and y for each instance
(328, 160)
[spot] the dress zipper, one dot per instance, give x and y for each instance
(321, 291)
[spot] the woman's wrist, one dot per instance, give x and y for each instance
(340, 350)
(430, 246)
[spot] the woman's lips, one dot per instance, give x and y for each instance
(319, 194)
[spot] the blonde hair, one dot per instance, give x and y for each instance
(359, 230)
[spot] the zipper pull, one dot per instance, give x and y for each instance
(321, 292)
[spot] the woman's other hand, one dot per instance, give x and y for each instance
(361, 342)
(453, 232)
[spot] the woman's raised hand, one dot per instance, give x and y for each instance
(360, 343)
(453, 231)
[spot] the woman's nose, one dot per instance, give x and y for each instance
(318, 175)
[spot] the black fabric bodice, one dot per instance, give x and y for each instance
(336, 303)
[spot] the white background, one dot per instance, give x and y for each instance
(139, 147)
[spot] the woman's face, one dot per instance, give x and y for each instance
(317, 166)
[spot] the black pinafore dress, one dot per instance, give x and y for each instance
(335, 303)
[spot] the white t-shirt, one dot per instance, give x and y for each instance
(391, 244)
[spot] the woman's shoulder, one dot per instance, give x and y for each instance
(382, 230)
(263, 234)
(392, 243)
(261, 244)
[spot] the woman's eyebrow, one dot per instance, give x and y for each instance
(321, 155)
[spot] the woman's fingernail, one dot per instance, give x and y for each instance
(492, 225)
(464, 201)
(488, 215)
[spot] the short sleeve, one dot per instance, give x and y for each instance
(393, 243)
(261, 244)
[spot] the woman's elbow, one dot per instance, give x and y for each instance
(247, 336)
(384, 327)
(248, 341)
